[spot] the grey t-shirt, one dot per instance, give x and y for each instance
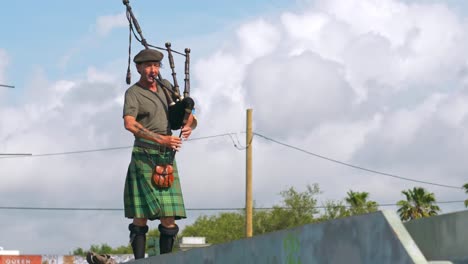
(149, 109)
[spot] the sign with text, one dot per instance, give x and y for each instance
(22, 259)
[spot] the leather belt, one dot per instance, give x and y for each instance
(147, 145)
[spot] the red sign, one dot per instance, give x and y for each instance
(23, 259)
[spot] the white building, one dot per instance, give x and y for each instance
(8, 252)
(192, 242)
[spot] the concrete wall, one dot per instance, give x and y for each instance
(373, 238)
(443, 237)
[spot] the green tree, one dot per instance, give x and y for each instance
(358, 203)
(78, 252)
(103, 249)
(297, 208)
(122, 250)
(466, 190)
(302, 205)
(334, 210)
(418, 204)
(217, 228)
(153, 234)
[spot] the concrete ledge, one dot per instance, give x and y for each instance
(373, 238)
(443, 237)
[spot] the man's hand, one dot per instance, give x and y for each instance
(186, 132)
(139, 131)
(172, 142)
(192, 121)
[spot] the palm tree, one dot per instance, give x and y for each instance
(418, 204)
(466, 190)
(359, 204)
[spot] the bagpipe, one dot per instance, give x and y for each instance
(180, 106)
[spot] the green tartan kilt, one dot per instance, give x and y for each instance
(142, 198)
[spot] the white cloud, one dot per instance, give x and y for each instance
(257, 39)
(105, 24)
(366, 88)
(94, 75)
(295, 92)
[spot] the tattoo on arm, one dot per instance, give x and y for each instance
(145, 133)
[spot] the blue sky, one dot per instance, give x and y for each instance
(42, 33)
(381, 84)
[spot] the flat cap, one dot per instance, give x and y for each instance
(147, 55)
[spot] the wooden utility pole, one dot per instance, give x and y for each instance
(248, 187)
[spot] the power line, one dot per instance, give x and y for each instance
(67, 153)
(208, 137)
(28, 208)
(7, 86)
(15, 154)
(357, 167)
(238, 145)
(98, 150)
(235, 145)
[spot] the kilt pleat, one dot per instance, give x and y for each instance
(142, 198)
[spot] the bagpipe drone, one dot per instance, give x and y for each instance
(180, 106)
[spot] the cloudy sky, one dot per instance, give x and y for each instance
(376, 84)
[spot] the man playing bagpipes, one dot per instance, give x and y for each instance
(153, 107)
(152, 186)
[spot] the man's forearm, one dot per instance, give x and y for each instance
(138, 130)
(192, 121)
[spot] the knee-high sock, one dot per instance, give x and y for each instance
(138, 240)
(167, 238)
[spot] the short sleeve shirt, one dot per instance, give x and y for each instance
(149, 108)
